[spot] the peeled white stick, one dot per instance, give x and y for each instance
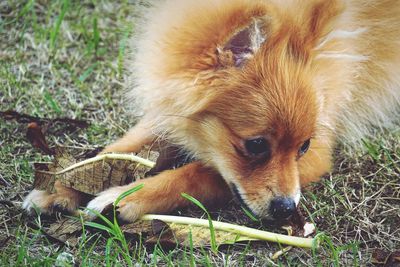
(129, 157)
(237, 229)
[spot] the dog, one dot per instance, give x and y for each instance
(258, 92)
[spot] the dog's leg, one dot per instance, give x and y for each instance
(162, 193)
(133, 140)
(64, 199)
(69, 199)
(316, 162)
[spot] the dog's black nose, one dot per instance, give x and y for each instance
(282, 207)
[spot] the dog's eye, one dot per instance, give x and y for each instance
(257, 146)
(303, 149)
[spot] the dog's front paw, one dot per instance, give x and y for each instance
(65, 200)
(37, 200)
(104, 200)
(128, 210)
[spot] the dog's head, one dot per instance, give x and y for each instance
(259, 128)
(256, 105)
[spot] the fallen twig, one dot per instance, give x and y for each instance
(237, 229)
(129, 157)
(25, 118)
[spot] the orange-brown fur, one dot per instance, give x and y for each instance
(193, 179)
(326, 70)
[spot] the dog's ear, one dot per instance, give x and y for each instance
(243, 44)
(321, 15)
(317, 20)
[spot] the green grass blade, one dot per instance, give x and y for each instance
(103, 218)
(108, 251)
(250, 215)
(51, 102)
(121, 51)
(56, 29)
(28, 6)
(96, 36)
(99, 226)
(194, 201)
(214, 246)
(87, 72)
(127, 193)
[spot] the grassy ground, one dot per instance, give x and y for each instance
(64, 59)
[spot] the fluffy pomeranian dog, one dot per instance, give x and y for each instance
(258, 92)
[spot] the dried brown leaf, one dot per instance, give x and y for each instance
(384, 258)
(90, 178)
(170, 235)
(37, 139)
(65, 230)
